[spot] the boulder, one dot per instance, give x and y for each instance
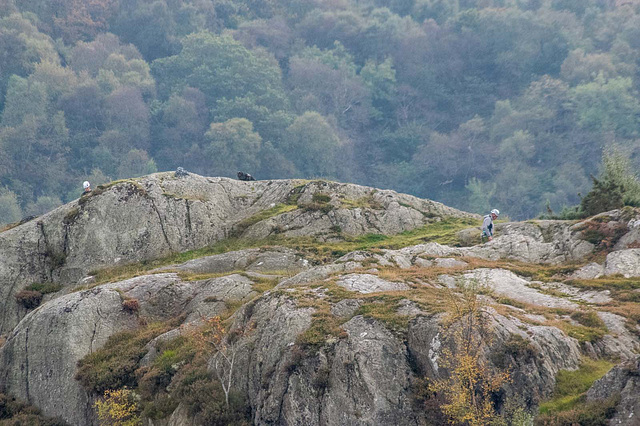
(366, 283)
(623, 379)
(157, 215)
(623, 262)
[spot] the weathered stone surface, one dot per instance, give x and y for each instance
(534, 371)
(257, 260)
(38, 361)
(345, 308)
(619, 342)
(319, 273)
(539, 242)
(508, 284)
(165, 296)
(623, 379)
(368, 379)
(448, 262)
(263, 366)
(389, 213)
(159, 214)
(576, 294)
(366, 283)
(588, 272)
(624, 262)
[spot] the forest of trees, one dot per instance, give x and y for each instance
(474, 103)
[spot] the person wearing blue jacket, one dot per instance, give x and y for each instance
(487, 224)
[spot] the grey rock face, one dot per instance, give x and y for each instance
(588, 272)
(544, 241)
(38, 361)
(534, 371)
(624, 379)
(448, 262)
(368, 379)
(250, 259)
(624, 262)
(359, 380)
(365, 283)
(508, 284)
(154, 216)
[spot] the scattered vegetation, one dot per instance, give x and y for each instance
(16, 413)
(515, 349)
(444, 232)
(29, 299)
(469, 387)
(114, 366)
(259, 217)
(319, 202)
(602, 234)
(119, 408)
(366, 202)
(131, 306)
(384, 308)
(324, 325)
(588, 318)
(568, 399)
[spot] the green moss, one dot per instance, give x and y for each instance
(612, 282)
(263, 215)
(45, 288)
(323, 327)
(319, 197)
(71, 216)
(385, 309)
(595, 413)
(366, 202)
(588, 319)
(584, 334)
(572, 385)
(443, 232)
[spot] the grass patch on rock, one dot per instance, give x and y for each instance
(571, 386)
(611, 282)
(384, 308)
(263, 215)
(443, 232)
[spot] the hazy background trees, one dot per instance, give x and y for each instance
(478, 104)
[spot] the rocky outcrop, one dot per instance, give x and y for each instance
(623, 262)
(622, 380)
(342, 342)
(38, 361)
(150, 217)
(360, 379)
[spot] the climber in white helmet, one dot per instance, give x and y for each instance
(87, 186)
(487, 224)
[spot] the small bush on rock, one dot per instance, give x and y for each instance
(131, 306)
(29, 299)
(119, 408)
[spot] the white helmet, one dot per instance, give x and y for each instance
(86, 184)
(496, 212)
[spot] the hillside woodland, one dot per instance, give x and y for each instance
(187, 300)
(474, 103)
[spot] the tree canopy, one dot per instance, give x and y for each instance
(478, 104)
